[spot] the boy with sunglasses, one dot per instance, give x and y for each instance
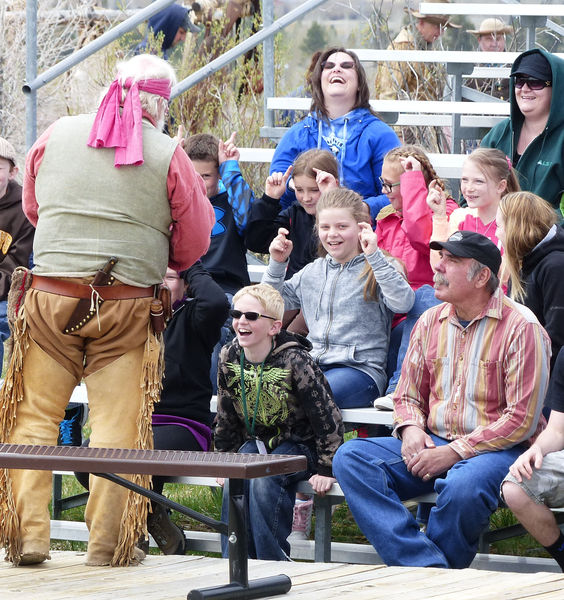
(273, 399)
(533, 136)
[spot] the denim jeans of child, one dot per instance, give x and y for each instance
(351, 388)
(375, 481)
(424, 299)
(270, 505)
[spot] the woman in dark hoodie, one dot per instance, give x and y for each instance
(533, 136)
(534, 253)
(174, 22)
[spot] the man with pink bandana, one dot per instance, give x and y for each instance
(107, 190)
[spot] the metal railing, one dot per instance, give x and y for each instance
(34, 82)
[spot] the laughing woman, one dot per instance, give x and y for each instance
(341, 121)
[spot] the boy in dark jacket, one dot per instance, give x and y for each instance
(273, 399)
(217, 163)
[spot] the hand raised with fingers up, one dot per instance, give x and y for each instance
(275, 184)
(228, 150)
(281, 247)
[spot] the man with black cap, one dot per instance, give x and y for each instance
(467, 403)
(533, 136)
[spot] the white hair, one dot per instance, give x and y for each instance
(140, 68)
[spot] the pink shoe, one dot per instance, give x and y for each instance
(301, 526)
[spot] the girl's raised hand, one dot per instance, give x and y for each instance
(410, 163)
(367, 238)
(275, 184)
(281, 247)
(436, 199)
(325, 181)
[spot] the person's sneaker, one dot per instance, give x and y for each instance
(385, 402)
(70, 428)
(169, 537)
(301, 526)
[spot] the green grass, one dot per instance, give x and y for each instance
(207, 501)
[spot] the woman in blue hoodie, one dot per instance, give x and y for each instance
(341, 121)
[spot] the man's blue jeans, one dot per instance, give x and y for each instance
(270, 505)
(351, 388)
(375, 481)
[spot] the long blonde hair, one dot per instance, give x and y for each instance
(353, 202)
(527, 218)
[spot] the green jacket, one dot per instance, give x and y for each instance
(541, 166)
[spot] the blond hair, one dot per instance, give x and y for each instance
(354, 203)
(269, 298)
(496, 165)
(527, 218)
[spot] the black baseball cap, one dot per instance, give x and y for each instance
(468, 244)
(534, 65)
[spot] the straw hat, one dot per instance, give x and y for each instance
(489, 26)
(443, 20)
(7, 151)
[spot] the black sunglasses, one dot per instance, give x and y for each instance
(327, 66)
(249, 315)
(532, 82)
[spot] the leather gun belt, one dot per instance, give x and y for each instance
(63, 287)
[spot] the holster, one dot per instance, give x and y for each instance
(85, 309)
(161, 310)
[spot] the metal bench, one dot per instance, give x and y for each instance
(105, 462)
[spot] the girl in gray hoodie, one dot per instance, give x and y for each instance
(348, 297)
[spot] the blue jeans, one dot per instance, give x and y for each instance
(270, 505)
(4, 329)
(375, 481)
(351, 388)
(424, 299)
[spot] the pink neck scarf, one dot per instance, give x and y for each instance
(124, 130)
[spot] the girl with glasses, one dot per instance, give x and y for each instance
(533, 136)
(404, 230)
(342, 122)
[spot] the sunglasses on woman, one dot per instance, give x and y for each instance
(249, 315)
(532, 82)
(327, 66)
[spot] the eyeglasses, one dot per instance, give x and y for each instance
(327, 66)
(249, 315)
(532, 82)
(387, 187)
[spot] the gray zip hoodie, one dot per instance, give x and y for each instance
(344, 329)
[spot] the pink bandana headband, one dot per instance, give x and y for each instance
(124, 131)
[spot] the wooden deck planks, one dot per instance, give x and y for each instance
(171, 577)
